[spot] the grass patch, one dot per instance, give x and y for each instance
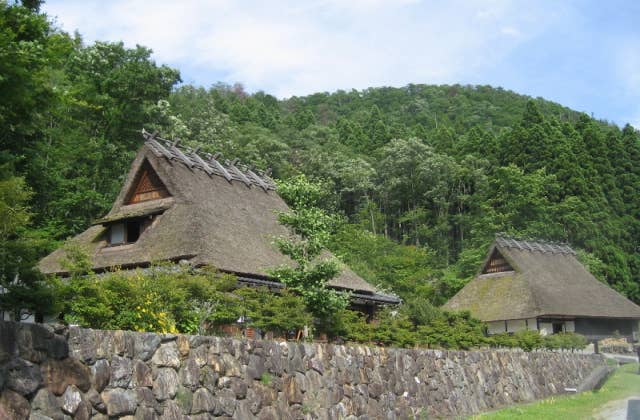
(266, 379)
(611, 362)
(623, 383)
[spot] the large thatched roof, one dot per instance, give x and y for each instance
(538, 279)
(212, 213)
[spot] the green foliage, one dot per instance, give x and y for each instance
(504, 340)
(453, 330)
(23, 287)
(352, 325)
(570, 341)
(265, 379)
(424, 175)
(169, 298)
(622, 384)
(407, 270)
(26, 41)
(70, 116)
(162, 298)
(427, 326)
(394, 328)
(529, 340)
(278, 312)
(310, 227)
(401, 328)
(532, 340)
(592, 263)
(14, 211)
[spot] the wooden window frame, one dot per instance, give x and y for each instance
(143, 225)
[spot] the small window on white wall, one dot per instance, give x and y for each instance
(127, 232)
(116, 234)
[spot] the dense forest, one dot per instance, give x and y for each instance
(423, 177)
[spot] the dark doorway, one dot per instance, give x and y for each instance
(133, 230)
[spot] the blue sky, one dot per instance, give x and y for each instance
(582, 54)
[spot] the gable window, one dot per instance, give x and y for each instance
(127, 232)
(497, 264)
(147, 186)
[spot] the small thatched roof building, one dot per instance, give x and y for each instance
(177, 205)
(542, 286)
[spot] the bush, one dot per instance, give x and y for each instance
(393, 328)
(453, 330)
(161, 299)
(174, 298)
(568, 341)
(280, 313)
(531, 340)
(351, 326)
(503, 340)
(528, 340)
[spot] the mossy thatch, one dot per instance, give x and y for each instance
(547, 280)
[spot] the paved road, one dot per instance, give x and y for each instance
(621, 358)
(633, 409)
(627, 409)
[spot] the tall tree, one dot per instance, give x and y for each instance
(311, 227)
(23, 290)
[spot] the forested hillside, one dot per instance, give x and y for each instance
(424, 176)
(439, 168)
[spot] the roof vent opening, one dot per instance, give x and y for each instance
(147, 186)
(496, 264)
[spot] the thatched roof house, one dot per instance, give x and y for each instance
(177, 205)
(542, 286)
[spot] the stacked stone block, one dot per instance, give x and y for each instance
(51, 372)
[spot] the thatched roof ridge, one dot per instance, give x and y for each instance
(546, 281)
(218, 214)
(208, 163)
(534, 246)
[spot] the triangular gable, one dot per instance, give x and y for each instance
(496, 263)
(146, 186)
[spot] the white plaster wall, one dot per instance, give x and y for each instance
(496, 327)
(516, 325)
(569, 326)
(532, 324)
(26, 317)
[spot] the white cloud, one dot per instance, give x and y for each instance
(294, 48)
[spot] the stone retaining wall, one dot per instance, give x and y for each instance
(53, 372)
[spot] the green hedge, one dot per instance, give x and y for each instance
(532, 340)
(178, 299)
